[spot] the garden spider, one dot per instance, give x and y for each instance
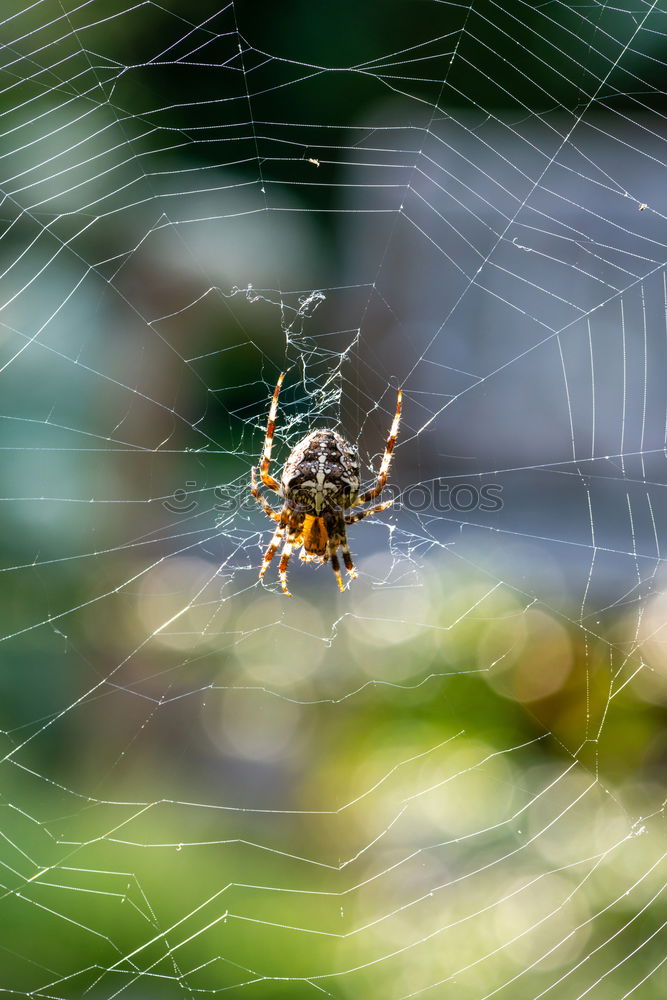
(320, 482)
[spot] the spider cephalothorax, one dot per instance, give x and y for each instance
(320, 482)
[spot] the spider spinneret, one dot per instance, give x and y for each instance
(320, 483)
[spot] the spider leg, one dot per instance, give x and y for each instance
(386, 458)
(262, 501)
(361, 514)
(273, 547)
(335, 565)
(347, 559)
(268, 439)
(282, 568)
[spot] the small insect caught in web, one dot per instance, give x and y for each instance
(320, 484)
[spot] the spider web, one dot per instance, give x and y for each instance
(447, 780)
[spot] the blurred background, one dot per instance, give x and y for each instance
(448, 780)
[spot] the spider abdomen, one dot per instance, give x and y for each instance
(321, 474)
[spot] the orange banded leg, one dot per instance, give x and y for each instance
(273, 547)
(386, 458)
(347, 559)
(335, 565)
(360, 515)
(262, 501)
(268, 439)
(282, 568)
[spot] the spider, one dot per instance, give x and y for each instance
(320, 483)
